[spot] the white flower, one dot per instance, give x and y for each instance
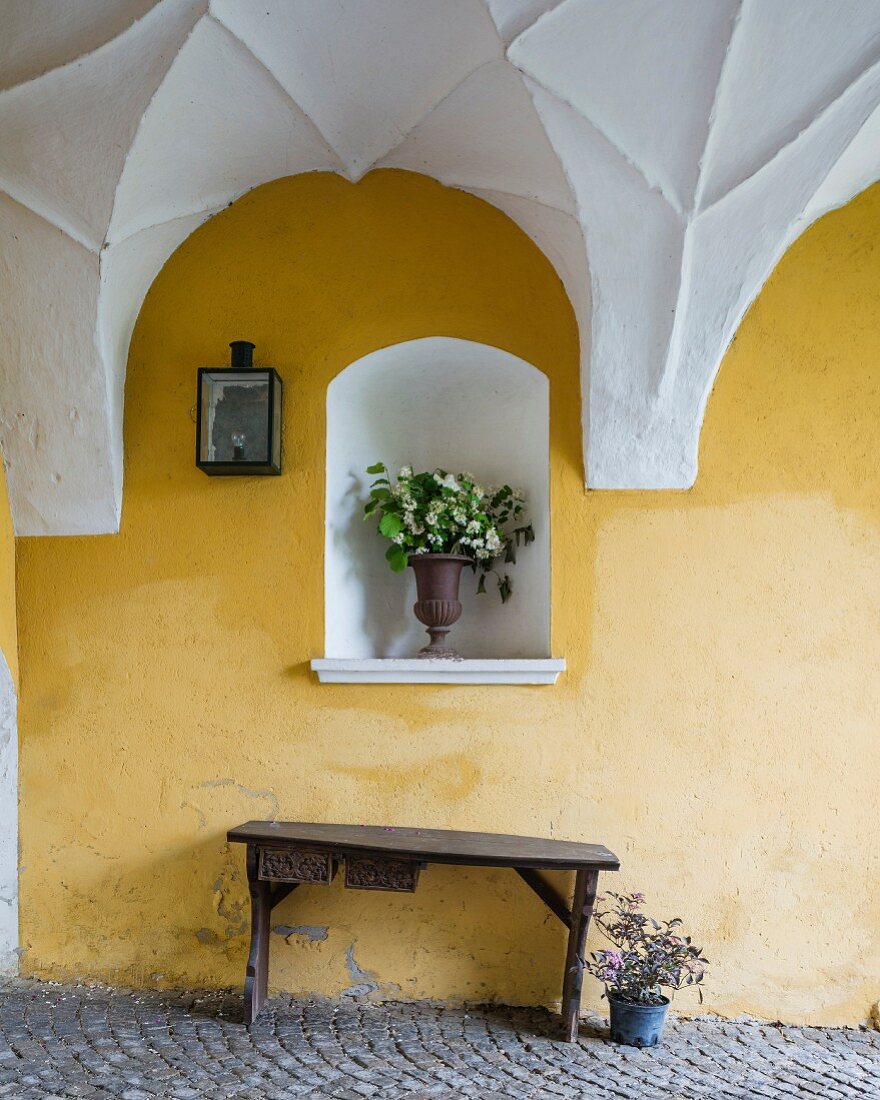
(473, 527)
(459, 517)
(478, 491)
(421, 550)
(431, 519)
(398, 538)
(482, 554)
(448, 482)
(476, 542)
(405, 472)
(493, 542)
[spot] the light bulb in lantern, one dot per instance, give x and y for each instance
(238, 440)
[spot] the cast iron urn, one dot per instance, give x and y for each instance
(238, 417)
(438, 606)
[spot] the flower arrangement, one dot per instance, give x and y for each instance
(443, 513)
(649, 955)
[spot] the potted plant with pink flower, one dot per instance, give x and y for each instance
(648, 957)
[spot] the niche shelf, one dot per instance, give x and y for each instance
(458, 405)
(401, 670)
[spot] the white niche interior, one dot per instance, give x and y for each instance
(458, 405)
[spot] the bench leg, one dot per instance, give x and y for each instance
(585, 886)
(256, 983)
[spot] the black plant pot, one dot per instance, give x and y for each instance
(634, 1025)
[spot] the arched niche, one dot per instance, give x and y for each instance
(435, 402)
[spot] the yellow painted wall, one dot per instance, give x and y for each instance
(718, 723)
(8, 630)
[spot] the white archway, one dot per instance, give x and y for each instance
(660, 133)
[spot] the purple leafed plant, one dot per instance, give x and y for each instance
(649, 955)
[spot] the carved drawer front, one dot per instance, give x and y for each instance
(296, 865)
(378, 873)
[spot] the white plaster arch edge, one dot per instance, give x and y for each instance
(9, 939)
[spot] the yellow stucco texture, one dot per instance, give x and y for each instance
(8, 629)
(718, 723)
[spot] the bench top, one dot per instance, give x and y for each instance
(432, 845)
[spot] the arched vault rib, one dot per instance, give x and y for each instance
(680, 240)
(64, 136)
(685, 165)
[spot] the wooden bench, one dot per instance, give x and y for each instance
(282, 855)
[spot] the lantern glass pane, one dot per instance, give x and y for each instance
(235, 417)
(276, 428)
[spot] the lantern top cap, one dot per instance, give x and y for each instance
(242, 357)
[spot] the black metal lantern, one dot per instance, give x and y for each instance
(238, 417)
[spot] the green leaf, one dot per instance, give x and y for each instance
(381, 481)
(370, 507)
(397, 558)
(380, 494)
(377, 468)
(481, 587)
(390, 525)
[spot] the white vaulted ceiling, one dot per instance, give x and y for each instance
(662, 153)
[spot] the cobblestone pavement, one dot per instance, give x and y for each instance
(73, 1041)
